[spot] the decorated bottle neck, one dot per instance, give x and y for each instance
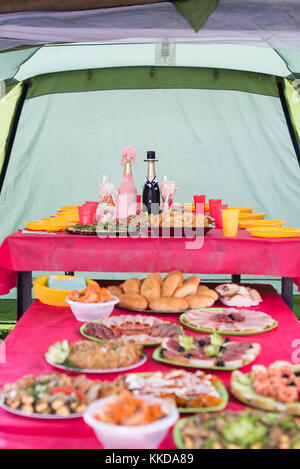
(151, 171)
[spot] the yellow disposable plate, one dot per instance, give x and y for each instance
(42, 226)
(243, 209)
(261, 223)
(69, 207)
(271, 232)
(52, 296)
(252, 216)
(191, 207)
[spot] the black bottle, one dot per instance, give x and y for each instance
(151, 192)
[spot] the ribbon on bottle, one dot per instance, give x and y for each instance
(128, 155)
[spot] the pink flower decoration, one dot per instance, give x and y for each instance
(128, 154)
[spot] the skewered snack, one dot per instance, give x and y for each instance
(136, 328)
(238, 295)
(247, 429)
(95, 356)
(160, 294)
(53, 394)
(188, 390)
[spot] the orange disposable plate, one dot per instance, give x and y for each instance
(261, 223)
(243, 209)
(271, 232)
(252, 216)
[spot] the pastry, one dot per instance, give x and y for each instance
(133, 300)
(189, 287)
(238, 295)
(170, 284)
(114, 290)
(151, 289)
(132, 285)
(169, 304)
(204, 290)
(199, 301)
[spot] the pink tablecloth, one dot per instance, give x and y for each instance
(218, 255)
(43, 325)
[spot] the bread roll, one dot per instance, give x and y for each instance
(114, 290)
(132, 300)
(151, 289)
(188, 288)
(176, 272)
(194, 279)
(169, 304)
(199, 301)
(132, 285)
(170, 284)
(157, 277)
(122, 286)
(204, 290)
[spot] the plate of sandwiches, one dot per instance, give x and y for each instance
(137, 328)
(192, 392)
(172, 294)
(179, 223)
(207, 352)
(228, 321)
(91, 357)
(274, 388)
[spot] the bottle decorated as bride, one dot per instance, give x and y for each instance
(126, 200)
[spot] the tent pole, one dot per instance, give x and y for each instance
(24, 296)
(287, 291)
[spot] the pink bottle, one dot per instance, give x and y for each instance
(126, 200)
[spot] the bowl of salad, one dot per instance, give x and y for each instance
(126, 421)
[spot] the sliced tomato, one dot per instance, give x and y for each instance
(68, 390)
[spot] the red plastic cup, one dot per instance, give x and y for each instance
(138, 202)
(199, 203)
(86, 214)
(218, 214)
(212, 203)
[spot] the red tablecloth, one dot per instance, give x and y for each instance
(218, 255)
(43, 325)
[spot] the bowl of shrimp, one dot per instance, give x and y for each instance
(92, 303)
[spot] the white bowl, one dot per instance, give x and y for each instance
(85, 312)
(131, 437)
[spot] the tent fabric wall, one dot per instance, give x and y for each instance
(8, 105)
(292, 95)
(233, 144)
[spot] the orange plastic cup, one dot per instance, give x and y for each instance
(230, 220)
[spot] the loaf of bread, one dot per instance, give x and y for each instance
(132, 285)
(151, 289)
(170, 284)
(199, 301)
(114, 290)
(133, 300)
(169, 304)
(178, 273)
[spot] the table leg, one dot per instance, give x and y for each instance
(24, 296)
(287, 291)
(69, 273)
(236, 279)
